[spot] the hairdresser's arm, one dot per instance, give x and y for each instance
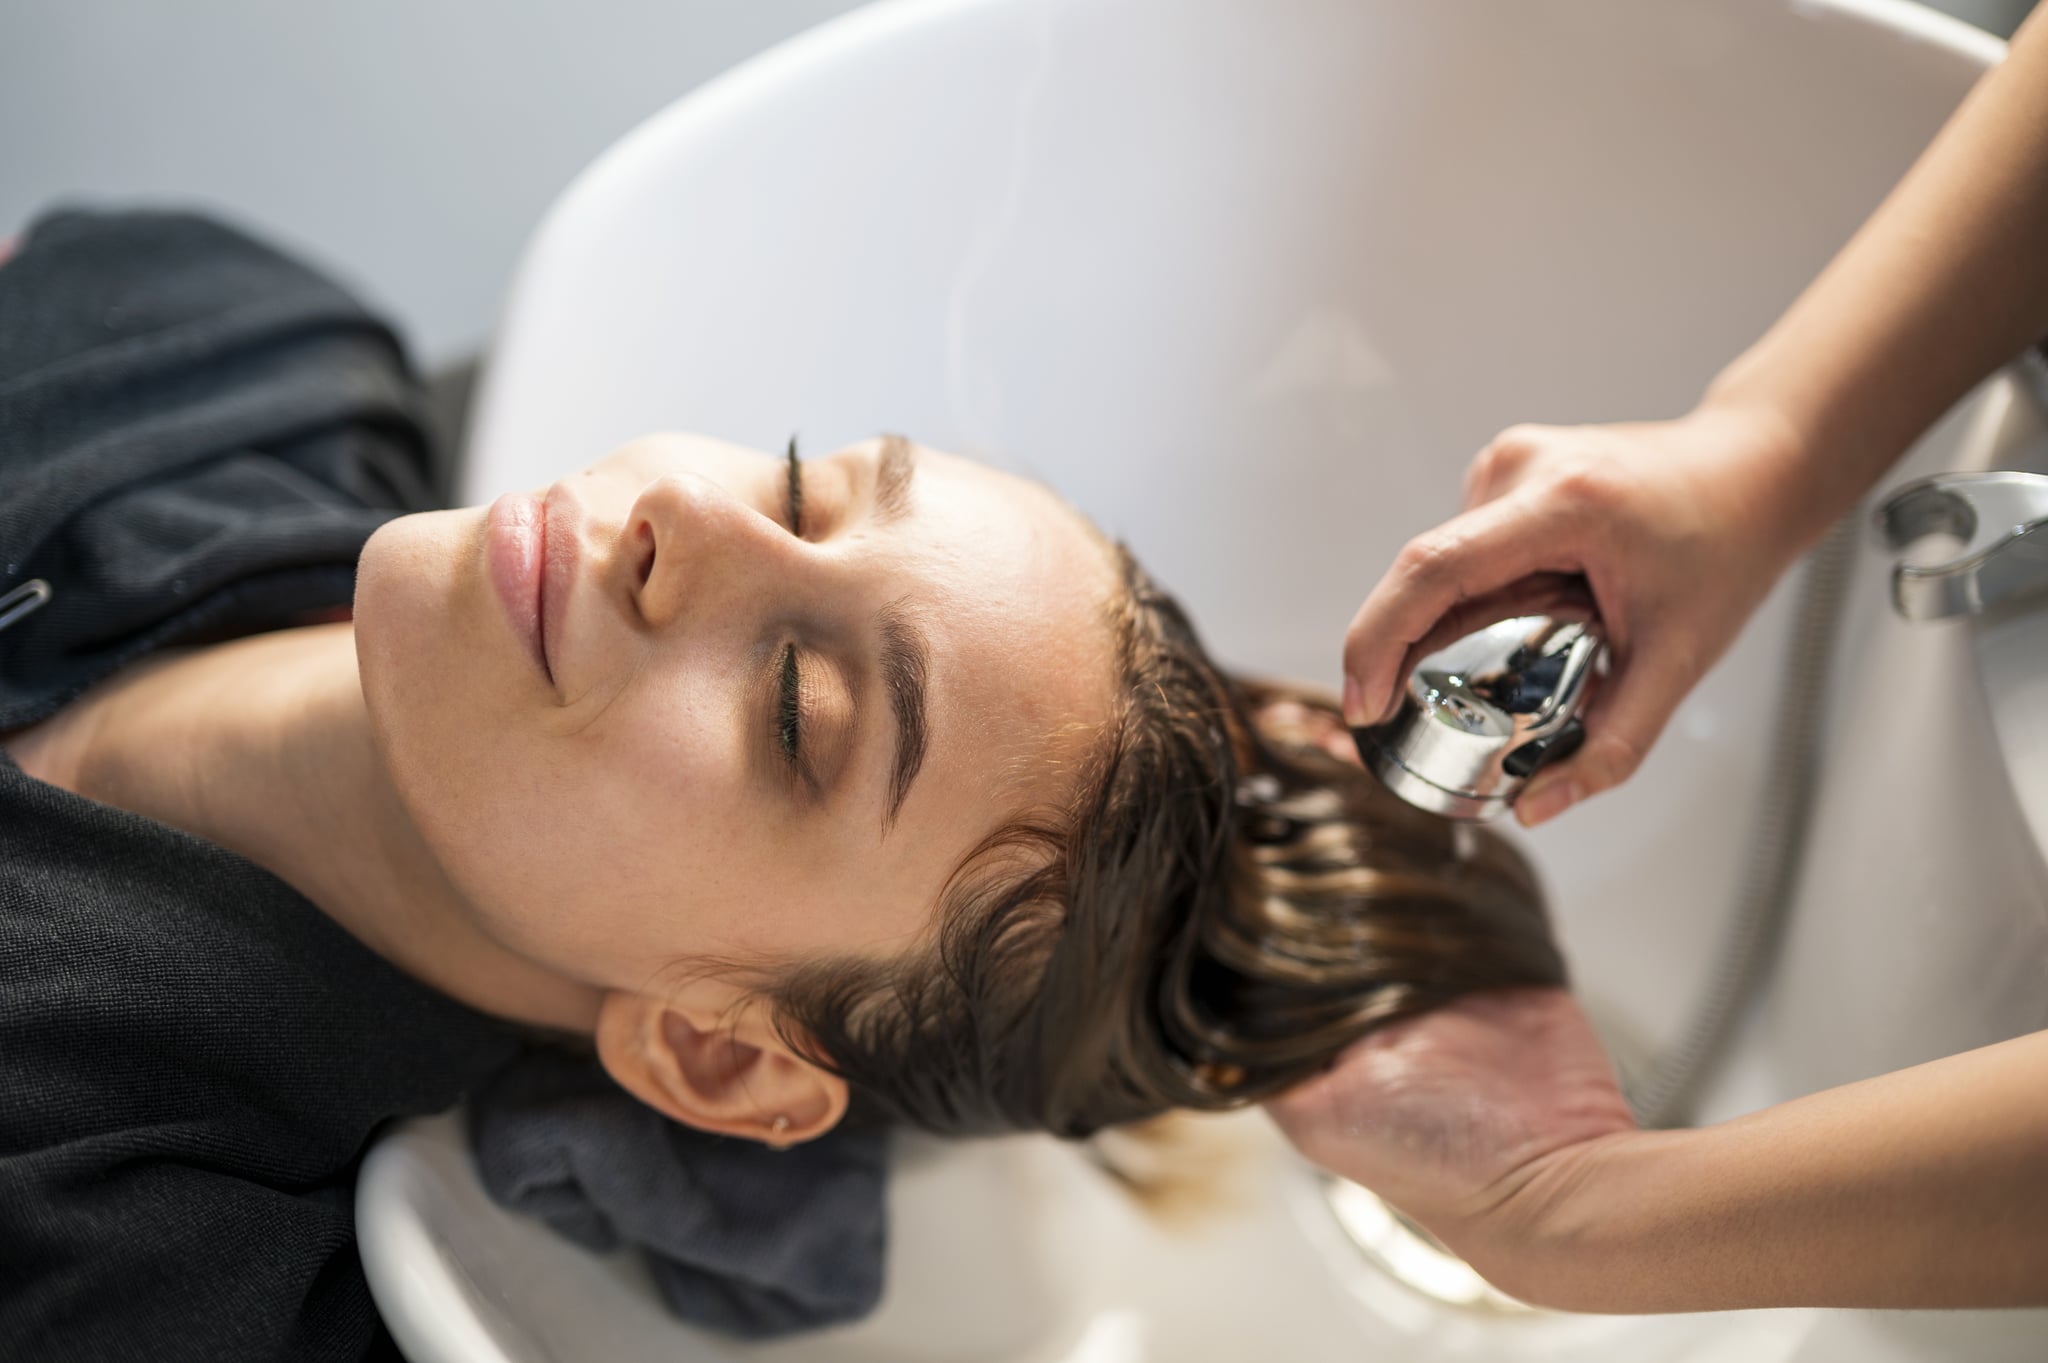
(1927, 1187)
(1923, 1188)
(1680, 527)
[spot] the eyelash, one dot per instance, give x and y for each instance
(789, 714)
(796, 491)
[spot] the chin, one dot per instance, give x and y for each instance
(424, 655)
(411, 636)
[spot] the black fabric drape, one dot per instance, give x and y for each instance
(196, 437)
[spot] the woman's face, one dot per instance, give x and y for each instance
(645, 717)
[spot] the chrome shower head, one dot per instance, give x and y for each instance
(1479, 718)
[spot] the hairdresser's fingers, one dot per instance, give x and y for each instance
(1563, 596)
(1496, 469)
(1623, 721)
(1470, 556)
(1441, 1114)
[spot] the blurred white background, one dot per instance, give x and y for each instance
(409, 146)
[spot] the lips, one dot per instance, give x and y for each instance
(561, 519)
(515, 535)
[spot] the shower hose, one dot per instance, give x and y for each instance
(1663, 1094)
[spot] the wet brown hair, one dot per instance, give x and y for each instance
(1222, 907)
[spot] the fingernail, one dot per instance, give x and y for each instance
(1354, 701)
(1545, 800)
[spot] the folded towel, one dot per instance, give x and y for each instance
(742, 1239)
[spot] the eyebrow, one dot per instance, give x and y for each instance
(894, 467)
(906, 659)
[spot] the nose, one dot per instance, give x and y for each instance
(690, 541)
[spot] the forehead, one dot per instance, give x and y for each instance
(1020, 590)
(979, 531)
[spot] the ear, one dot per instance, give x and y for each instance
(711, 1059)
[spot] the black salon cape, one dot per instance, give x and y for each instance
(196, 436)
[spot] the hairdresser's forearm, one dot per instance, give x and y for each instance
(1946, 281)
(1923, 1188)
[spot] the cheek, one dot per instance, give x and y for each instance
(607, 852)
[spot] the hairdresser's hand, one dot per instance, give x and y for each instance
(1471, 1119)
(1679, 528)
(1494, 1123)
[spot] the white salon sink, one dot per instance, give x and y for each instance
(2011, 649)
(1250, 281)
(2013, 657)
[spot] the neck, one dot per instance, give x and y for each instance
(264, 746)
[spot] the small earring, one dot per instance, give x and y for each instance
(776, 1128)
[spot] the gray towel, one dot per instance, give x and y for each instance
(741, 1239)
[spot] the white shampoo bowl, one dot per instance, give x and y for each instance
(1250, 281)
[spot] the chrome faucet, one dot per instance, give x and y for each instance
(2000, 519)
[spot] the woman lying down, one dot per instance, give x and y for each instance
(870, 788)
